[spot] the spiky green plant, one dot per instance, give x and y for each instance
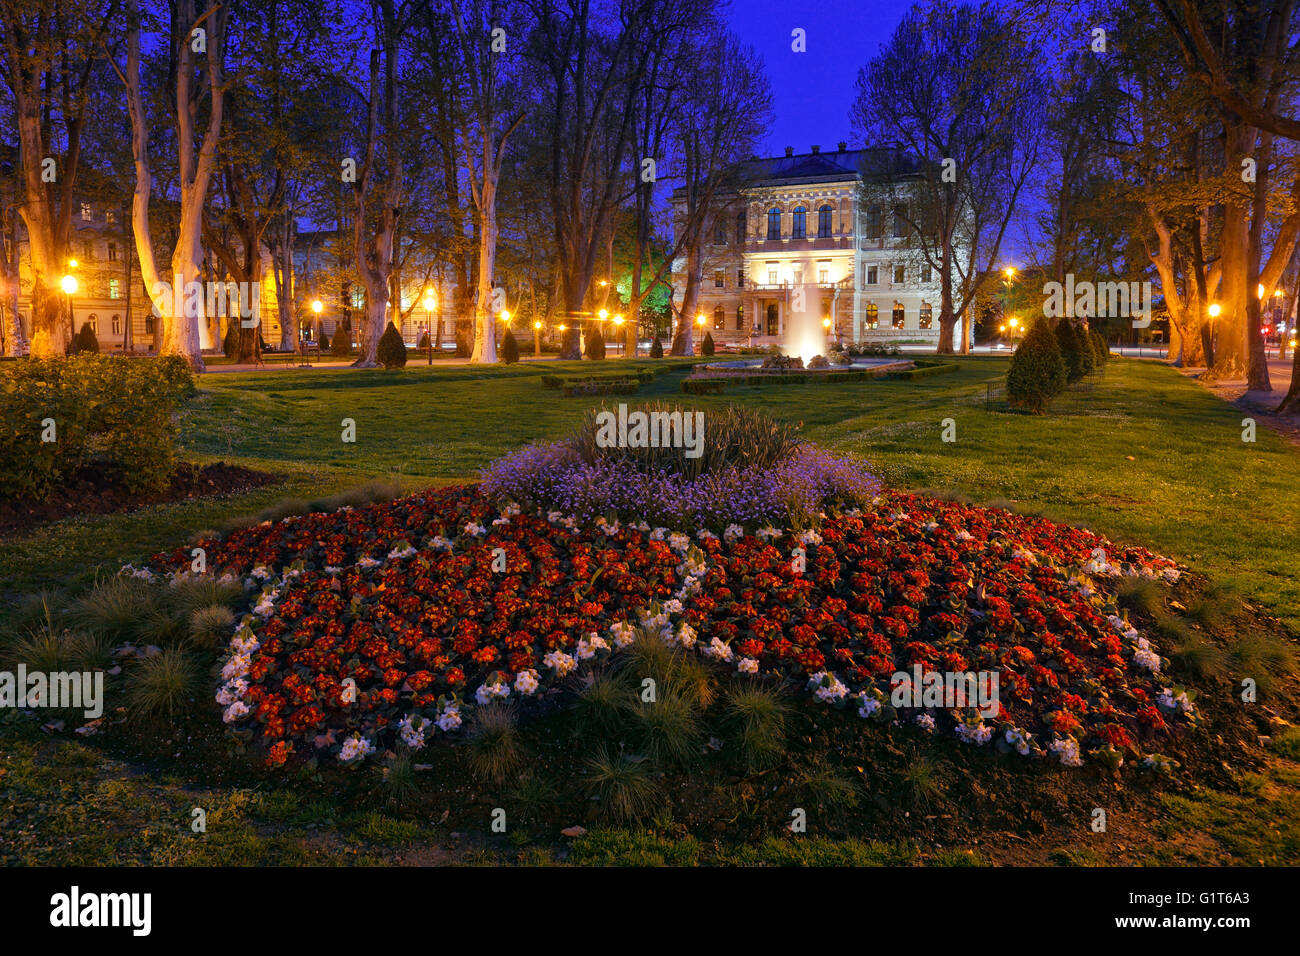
(162, 687)
(623, 785)
(919, 785)
(668, 730)
(756, 717)
(603, 704)
(1141, 595)
(492, 743)
(115, 607)
(210, 627)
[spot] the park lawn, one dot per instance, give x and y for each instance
(1193, 490)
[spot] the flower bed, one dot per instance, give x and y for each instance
(381, 627)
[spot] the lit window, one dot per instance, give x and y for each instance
(823, 275)
(771, 274)
(898, 315)
(719, 318)
(824, 222)
(926, 273)
(114, 289)
(740, 318)
(873, 316)
(926, 315)
(774, 223)
(85, 212)
(800, 229)
(719, 280)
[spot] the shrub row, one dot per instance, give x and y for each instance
(1050, 358)
(60, 415)
(640, 376)
(923, 370)
(707, 386)
(608, 386)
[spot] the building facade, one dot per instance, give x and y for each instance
(810, 244)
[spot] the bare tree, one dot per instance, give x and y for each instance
(958, 92)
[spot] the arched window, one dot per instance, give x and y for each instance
(720, 233)
(93, 322)
(117, 325)
(926, 315)
(800, 229)
(719, 318)
(824, 222)
(898, 315)
(774, 223)
(148, 324)
(740, 227)
(872, 319)
(740, 318)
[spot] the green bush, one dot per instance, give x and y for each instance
(1099, 347)
(595, 344)
(1071, 346)
(230, 344)
(94, 410)
(423, 344)
(340, 341)
(1037, 371)
(392, 350)
(656, 348)
(509, 348)
(85, 341)
(707, 347)
(608, 386)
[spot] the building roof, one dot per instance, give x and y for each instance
(818, 166)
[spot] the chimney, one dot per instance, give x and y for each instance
(816, 150)
(789, 150)
(841, 145)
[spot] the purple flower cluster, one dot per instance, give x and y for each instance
(554, 477)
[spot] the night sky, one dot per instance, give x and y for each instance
(812, 91)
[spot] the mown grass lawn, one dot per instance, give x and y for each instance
(1142, 454)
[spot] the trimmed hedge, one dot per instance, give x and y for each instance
(85, 341)
(97, 409)
(615, 386)
(642, 376)
(509, 348)
(340, 341)
(924, 370)
(391, 351)
(705, 386)
(1037, 371)
(656, 348)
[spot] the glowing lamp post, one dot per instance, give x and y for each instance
(317, 306)
(618, 323)
(537, 339)
(429, 303)
(69, 285)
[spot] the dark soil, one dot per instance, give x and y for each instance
(95, 490)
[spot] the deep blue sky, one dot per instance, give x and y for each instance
(812, 91)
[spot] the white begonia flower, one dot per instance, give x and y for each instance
(925, 722)
(733, 532)
(236, 667)
(1067, 749)
(449, 719)
(747, 665)
(624, 634)
(526, 682)
(867, 706)
(490, 692)
(560, 662)
(237, 710)
(355, 747)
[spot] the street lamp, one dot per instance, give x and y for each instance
(429, 302)
(317, 306)
(1009, 272)
(537, 338)
(69, 286)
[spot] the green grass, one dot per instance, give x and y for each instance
(1194, 491)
